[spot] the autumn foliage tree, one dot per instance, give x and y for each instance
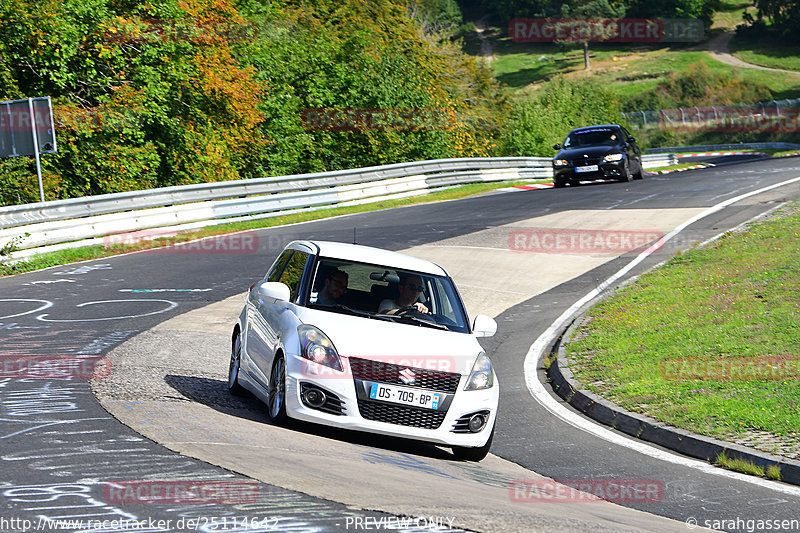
(171, 92)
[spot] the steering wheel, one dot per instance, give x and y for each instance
(407, 309)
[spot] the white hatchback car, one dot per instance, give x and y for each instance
(367, 339)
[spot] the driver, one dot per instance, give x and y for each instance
(408, 291)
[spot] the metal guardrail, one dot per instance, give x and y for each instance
(719, 147)
(67, 223)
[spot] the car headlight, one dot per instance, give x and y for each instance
(481, 376)
(560, 162)
(613, 157)
(316, 346)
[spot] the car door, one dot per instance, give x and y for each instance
(633, 150)
(255, 347)
(274, 320)
(268, 319)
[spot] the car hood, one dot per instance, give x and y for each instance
(402, 344)
(594, 152)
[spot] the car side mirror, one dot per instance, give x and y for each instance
(484, 326)
(631, 139)
(274, 290)
(557, 146)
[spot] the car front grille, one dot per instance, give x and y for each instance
(369, 371)
(437, 380)
(401, 414)
(583, 161)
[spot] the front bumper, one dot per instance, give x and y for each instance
(610, 170)
(350, 409)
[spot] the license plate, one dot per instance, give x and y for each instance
(587, 168)
(405, 396)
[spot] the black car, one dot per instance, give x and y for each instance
(597, 153)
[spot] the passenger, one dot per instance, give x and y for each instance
(335, 286)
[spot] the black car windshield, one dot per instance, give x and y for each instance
(592, 137)
(386, 293)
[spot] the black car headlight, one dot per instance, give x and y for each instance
(560, 162)
(613, 157)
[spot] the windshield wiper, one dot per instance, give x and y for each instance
(348, 310)
(340, 308)
(411, 319)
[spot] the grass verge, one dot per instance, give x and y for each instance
(763, 52)
(746, 467)
(98, 251)
(708, 342)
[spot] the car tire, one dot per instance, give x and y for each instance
(559, 184)
(640, 174)
(464, 453)
(233, 368)
(626, 172)
(276, 406)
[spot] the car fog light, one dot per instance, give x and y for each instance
(314, 397)
(476, 423)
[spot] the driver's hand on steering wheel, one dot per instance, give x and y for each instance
(421, 308)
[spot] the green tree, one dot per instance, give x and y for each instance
(506, 10)
(783, 16)
(693, 9)
(535, 123)
(591, 9)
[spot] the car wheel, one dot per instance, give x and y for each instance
(640, 174)
(276, 406)
(626, 172)
(473, 454)
(559, 184)
(233, 369)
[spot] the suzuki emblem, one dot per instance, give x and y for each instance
(407, 376)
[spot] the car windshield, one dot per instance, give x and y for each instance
(593, 137)
(372, 291)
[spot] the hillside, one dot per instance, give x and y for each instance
(171, 92)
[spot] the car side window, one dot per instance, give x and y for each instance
(277, 267)
(627, 134)
(293, 273)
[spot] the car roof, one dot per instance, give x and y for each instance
(368, 254)
(597, 126)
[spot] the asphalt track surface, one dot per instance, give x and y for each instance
(60, 448)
